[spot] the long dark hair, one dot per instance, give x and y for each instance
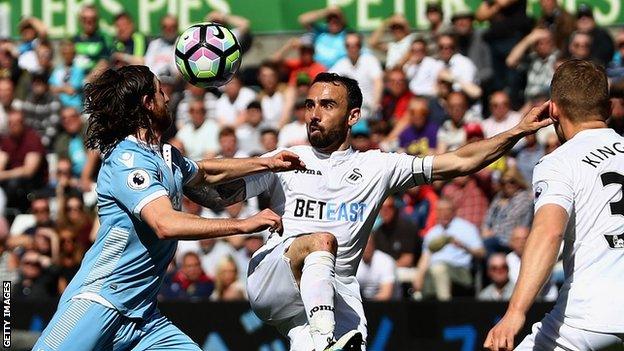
(114, 103)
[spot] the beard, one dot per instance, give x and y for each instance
(320, 138)
(162, 118)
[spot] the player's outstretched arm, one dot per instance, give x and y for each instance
(474, 156)
(168, 223)
(540, 255)
(222, 170)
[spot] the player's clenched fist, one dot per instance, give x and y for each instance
(285, 161)
(501, 337)
(265, 219)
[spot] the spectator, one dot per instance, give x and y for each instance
(32, 32)
(420, 203)
(517, 242)
(303, 64)
(46, 243)
(396, 236)
(7, 102)
(129, 45)
(249, 133)
(366, 69)
(601, 42)
(189, 282)
(558, 21)
(191, 93)
(529, 156)
(437, 26)
(41, 110)
(44, 54)
(228, 144)
(9, 261)
(35, 283)
(580, 46)
(510, 208)
(71, 254)
(92, 46)
(460, 70)
(470, 43)
(73, 214)
(8, 62)
(227, 285)
(616, 121)
(200, 137)
(396, 95)
(158, 55)
(376, 273)
(67, 78)
(65, 183)
(232, 104)
(421, 70)
(420, 136)
(448, 253)
(329, 38)
(540, 61)
(615, 70)
(296, 132)
(70, 142)
(502, 117)
(268, 139)
(23, 165)
(40, 209)
(469, 197)
(239, 26)
(501, 287)
(451, 134)
(401, 41)
(251, 244)
(508, 24)
(271, 95)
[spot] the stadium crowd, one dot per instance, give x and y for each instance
(425, 92)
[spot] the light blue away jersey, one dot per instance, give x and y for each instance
(127, 262)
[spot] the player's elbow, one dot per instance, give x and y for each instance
(164, 228)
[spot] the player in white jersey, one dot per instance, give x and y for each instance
(304, 281)
(578, 200)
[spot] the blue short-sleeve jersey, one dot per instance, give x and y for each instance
(127, 262)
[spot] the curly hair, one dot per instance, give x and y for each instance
(114, 104)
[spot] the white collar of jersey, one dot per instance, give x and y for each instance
(336, 155)
(153, 147)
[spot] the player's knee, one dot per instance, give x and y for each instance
(325, 242)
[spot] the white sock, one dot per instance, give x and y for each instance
(317, 293)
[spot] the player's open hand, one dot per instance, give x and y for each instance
(285, 161)
(265, 219)
(501, 337)
(537, 118)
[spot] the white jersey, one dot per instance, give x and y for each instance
(585, 176)
(339, 193)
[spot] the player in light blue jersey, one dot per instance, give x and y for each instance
(111, 302)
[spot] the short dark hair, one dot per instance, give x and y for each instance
(354, 94)
(269, 131)
(227, 131)
(121, 15)
(581, 89)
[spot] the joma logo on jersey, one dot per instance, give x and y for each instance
(320, 308)
(308, 171)
(331, 211)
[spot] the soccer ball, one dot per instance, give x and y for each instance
(207, 54)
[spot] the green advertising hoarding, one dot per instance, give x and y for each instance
(266, 16)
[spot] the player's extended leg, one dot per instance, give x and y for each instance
(313, 260)
(80, 325)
